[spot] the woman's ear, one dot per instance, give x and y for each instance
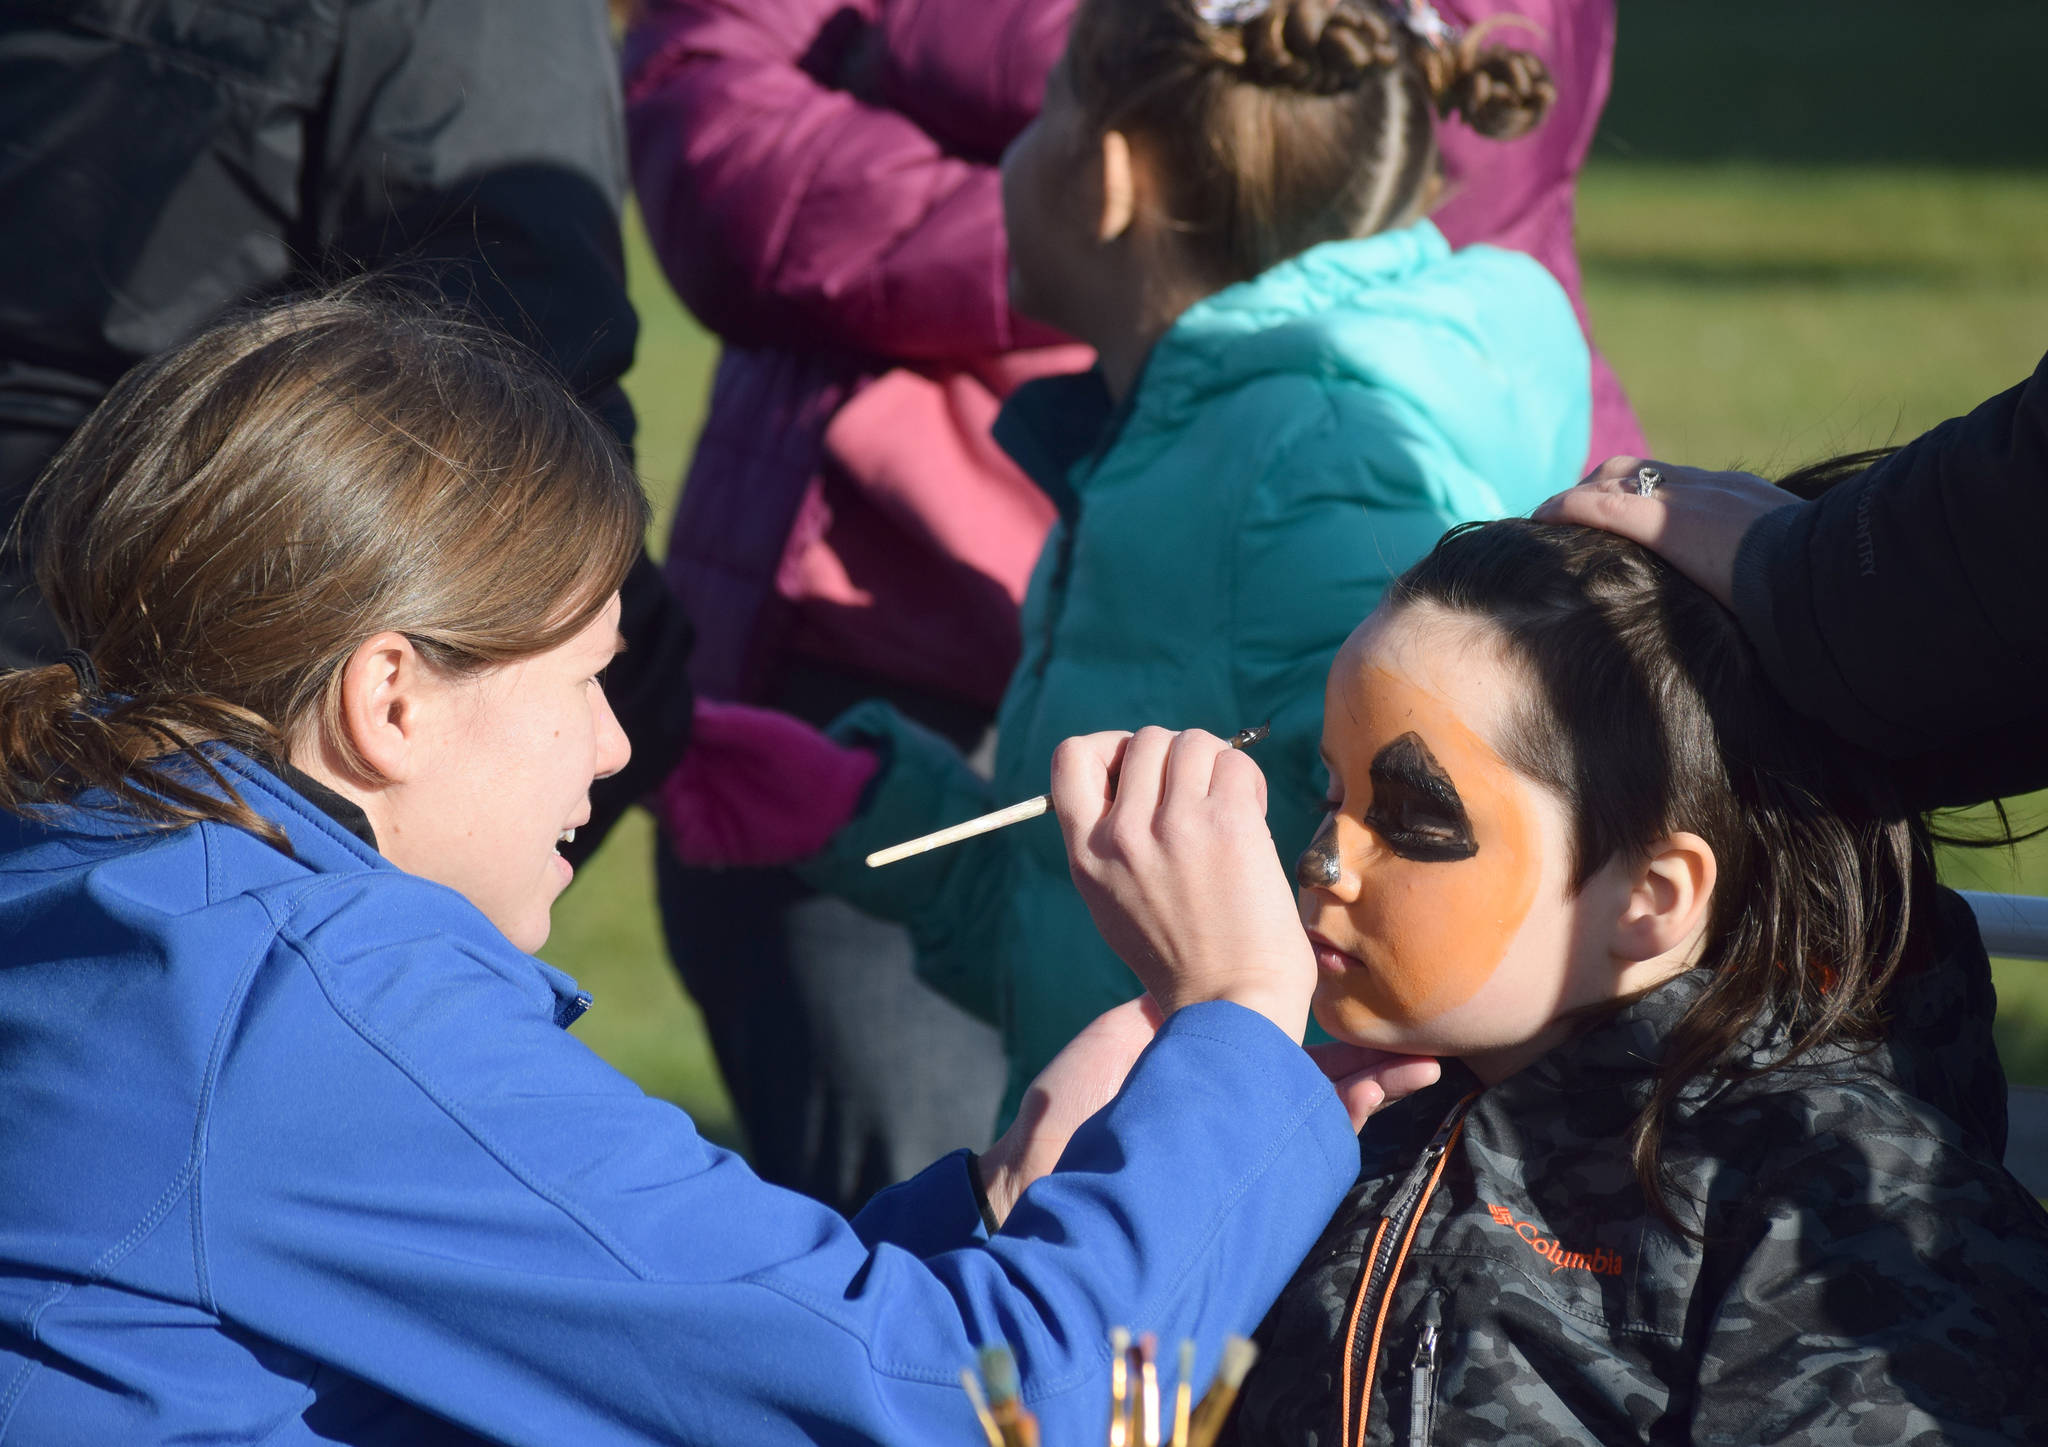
(1119, 188)
(1666, 907)
(385, 689)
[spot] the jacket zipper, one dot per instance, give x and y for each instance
(1422, 1381)
(1389, 1251)
(1056, 606)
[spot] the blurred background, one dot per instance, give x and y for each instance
(1810, 226)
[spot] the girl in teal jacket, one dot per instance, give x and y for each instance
(1301, 387)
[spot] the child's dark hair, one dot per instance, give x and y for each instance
(1312, 121)
(1650, 714)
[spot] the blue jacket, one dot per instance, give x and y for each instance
(297, 1150)
(1294, 443)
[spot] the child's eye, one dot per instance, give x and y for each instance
(1416, 833)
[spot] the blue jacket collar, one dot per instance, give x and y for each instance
(321, 844)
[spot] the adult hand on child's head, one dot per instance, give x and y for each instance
(1166, 836)
(1693, 519)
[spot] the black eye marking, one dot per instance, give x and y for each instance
(1415, 807)
(1319, 866)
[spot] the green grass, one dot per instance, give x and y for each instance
(1773, 316)
(1760, 314)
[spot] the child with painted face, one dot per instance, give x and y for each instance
(1300, 386)
(1716, 1155)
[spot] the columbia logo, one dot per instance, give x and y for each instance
(1600, 1261)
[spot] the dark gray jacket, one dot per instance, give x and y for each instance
(1870, 1274)
(1903, 609)
(162, 160)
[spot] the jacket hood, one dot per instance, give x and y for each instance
(1376, 312)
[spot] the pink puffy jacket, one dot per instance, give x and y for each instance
(845, 503)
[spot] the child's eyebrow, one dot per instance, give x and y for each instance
(1415, 806)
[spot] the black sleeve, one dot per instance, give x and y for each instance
(476, 147)
(1903, 608)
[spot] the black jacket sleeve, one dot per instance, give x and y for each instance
(1903, 608)
(477, 146)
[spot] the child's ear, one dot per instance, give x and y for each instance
(1666, 908)
(1119, 188)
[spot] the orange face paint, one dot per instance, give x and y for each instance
(1425, 870)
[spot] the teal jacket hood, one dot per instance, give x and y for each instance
(1375, 314)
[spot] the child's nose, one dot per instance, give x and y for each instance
(1321, 865)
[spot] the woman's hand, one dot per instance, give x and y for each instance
(1080, 1080)
(1694, 520)
(1367, 1079)
(1086, 1076)
(1166, 836)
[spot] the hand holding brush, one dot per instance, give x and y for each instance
(1005, 817)
(1166, 836)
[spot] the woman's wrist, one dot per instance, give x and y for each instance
(997, 1180)
(1280, 1001)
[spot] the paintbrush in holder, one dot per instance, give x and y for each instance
(1134, 1397)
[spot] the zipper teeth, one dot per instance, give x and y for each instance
(1386, 1259)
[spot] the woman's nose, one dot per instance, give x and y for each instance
(613, 748)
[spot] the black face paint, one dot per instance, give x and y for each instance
(1319, 867)
(1415, 807)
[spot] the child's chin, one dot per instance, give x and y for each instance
(1346, 1019)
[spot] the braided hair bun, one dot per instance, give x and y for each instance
(1319, 47)
(1500, 93)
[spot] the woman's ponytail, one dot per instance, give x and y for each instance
(61, 737)
(40, 732)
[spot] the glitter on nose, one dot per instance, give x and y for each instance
(1319, 867)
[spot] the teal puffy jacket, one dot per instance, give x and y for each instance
(1293, 444)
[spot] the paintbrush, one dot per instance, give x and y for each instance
(1184, 1393)
(989, 1429)
(1005, 1404)
(1119, 1387)
(1148, 1391)
(1238, 1356)
(1014, 814)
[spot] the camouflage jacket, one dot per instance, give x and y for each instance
(1870, 1274)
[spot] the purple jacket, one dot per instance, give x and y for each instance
(845, 503)
(1519, 194)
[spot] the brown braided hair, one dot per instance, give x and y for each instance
(1313, 121)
